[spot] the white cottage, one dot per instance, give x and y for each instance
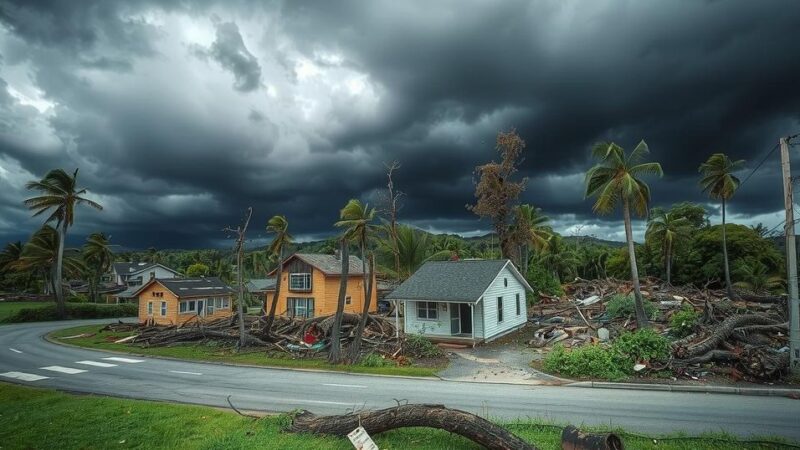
(464, 301)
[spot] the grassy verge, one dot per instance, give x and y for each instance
(206, 352)
(43, 418)
(45, 311)
(10, 309)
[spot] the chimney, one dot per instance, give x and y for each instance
(337, 254)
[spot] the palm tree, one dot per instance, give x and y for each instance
(357, 218)
(41, 253)
(720, 184)
(533, 231)
(280, 226)
(756, 277)
(9, 258)
(97, 256)
(59, 196)
(615, 179)
(664, 227)
(560, 259)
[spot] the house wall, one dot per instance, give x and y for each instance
(172, 316)
(325, 292)
(510, 318)
(160, 272)
(477, 320)
(415, 325)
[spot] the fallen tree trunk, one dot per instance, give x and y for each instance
(713, 355)
(574, 439)
(721, 332)
(470, 426)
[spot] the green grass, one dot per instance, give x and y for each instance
(43, 419)
(8, 309)
(204, 352)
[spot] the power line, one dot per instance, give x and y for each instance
(764, 159)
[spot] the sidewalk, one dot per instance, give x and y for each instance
(707, 389)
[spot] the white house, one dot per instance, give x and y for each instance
(464, 301)
(134, 275)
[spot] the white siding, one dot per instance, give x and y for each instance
(477, 320)
(510, 318)
(414, 325)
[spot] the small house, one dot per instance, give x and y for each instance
(178, 301)
(262, 289)
(310, 286)
(131, 276)
(468, 301)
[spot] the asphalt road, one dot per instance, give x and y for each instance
(24, 354)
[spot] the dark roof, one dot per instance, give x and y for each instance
(330, 264)
(193, 287)
(461, 281)
(261, 284)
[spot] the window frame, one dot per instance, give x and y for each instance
(149, 308)
(519, 310)
(348, 300)
(500, 309)
(190, 307)
(426, 306)
(163, 309)
(306, 278)
(293, 307)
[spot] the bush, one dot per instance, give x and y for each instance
(421, 347)
(682, 323)
(375, 360)
(641, 345)
(78, 298)
(542, 280)
(609, 363)
(587, 361)
(623, 306)
(74, 311)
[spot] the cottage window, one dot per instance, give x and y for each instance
(149, 308)
(348, 300)
(300, 282)
(300, 307)
(163, 309)
(225, 303)
(427, 311)
(499, 309)
(505, 282)
(188, 306)
(210, 305)
(518, 306)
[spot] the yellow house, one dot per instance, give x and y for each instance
(309, 286)
(177, 301)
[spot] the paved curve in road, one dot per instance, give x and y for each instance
(25, 355)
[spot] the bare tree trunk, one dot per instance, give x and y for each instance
(355, 347)
(240, 235)
(335, 353)
(470, 426)
(276, 296)
(728, 287)
(58, 288)
(638, 303)
(669, 262)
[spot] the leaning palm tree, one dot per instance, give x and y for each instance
(59, 196)
(720, 184)
(615, 179)
(280, 226)
(97, 256)
(9, 256)
(665, 227)
(532, 227)
(357, 219)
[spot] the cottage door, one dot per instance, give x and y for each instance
(455, 319)
(201, 310)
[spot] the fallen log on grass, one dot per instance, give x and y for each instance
(574, 439)
(721, 332)
(470, 426)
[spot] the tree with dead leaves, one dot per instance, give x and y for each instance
(240, 235)
(497, 192)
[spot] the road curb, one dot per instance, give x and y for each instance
(763, 392)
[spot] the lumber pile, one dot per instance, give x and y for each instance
(744, 337)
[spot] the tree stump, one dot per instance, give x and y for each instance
(470, 426)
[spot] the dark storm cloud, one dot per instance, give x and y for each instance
(324, 93)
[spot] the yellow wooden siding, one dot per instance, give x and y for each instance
(325, 292)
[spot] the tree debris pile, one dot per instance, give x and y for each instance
(295, 336)
(745, 337)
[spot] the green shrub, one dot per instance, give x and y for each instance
(640, 345)
(587, 361)
(78, 298)
(623, 306)
(682, 323)
(74, 311)
(421, 347)
(542, 280)
(375, 360)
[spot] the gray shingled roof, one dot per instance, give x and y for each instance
(461, 281)
(261, 284)
(195, 287)
(131, 267)
(330, 264)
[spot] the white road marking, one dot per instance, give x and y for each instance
(125, 360)
(14, 350)
(63, 369)
(345, 385)
(187, 373)
(95, 363)
(23, 376)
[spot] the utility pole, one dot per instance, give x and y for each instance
(791, 262)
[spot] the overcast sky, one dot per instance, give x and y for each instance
(181, 114)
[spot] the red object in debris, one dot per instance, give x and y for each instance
(310, 337)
